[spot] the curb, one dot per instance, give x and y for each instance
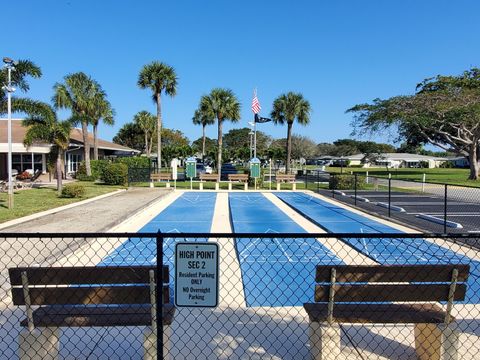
(57, 209)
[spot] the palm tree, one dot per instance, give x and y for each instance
(203, 118)
(221, 104)
(44, 126)
(102, 110)
(78, 93)
(287, 108)
(23, 68)
(148, 123)
(158, 77)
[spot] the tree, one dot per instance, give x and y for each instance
(203, 118)
(303, 147)
(44, 126)
(210, 146)
(130, 135)
(23, 69)
(79, 93)
(287, 108)
(240, 138)
(101, 111)
(158, 77)
(325, 149)
(223, 105)
(148, 123)
(172, 137)
(444, 111)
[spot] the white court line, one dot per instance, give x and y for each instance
(284, 252)
(247, 247)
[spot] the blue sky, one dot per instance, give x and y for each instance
(337, 53)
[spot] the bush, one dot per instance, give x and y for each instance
(135, 161)
(97, 167)
(346, 182)
(115, 174)
(73, 190)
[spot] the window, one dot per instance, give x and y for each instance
(23, 162)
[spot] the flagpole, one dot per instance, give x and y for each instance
(254, 138)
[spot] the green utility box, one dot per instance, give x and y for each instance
(191, 167)
(254, 168)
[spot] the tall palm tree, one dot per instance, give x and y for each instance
(221, 104)
(158, 77)
(203, 118)
(23, 68)
(78, 93)
(102, 110)
(287, 108)
(148, 124)
(44, 126)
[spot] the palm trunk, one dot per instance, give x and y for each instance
(473, 160)
(219, 155)
(86, 148)
(95, 142)
(159, 132)
(150, 145)
(203, 142)
(59, 171)
(147, 150)
(289, 146)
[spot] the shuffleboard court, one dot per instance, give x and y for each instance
(336, 219)
(191, 212)
(275, 271)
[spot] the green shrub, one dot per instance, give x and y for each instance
(346, 182)
(135, 161)
(115, 174)
(97, 167)
(73, 190)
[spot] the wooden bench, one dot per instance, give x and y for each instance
(364, 295)
(85, 297)
(241, 178)
(161, 177)
(209, 177)
(285, 178)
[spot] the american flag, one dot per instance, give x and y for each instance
(255, 103)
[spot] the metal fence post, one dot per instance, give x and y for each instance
(306, 180)
(159, 296)
(445, 210)
(389, 196)
(332, 179)
(355, 189)
(318, 181)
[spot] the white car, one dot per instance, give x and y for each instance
(208, 169)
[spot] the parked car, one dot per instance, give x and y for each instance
(227, 168)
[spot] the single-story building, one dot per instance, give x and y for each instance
(35, 157)
(459, 161)
(397, 160)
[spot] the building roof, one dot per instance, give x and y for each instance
(399, 157)
(18, 134)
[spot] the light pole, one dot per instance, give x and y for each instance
(252, 140)
(10, 65)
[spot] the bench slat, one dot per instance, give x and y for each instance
(378, 313)
(87, 295)
(132, 315)
(85, 275)
(392, 273)
(207, 177)
(238, 177)
(397, 292)
(164, 176)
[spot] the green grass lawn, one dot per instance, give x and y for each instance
(436, 175)
(27, 202)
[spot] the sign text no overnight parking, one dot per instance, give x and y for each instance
(196, 274)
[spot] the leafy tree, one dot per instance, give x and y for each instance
(172, 137)
(203, 118)
(210, 146)
(444, 111)
(130, 135)
(148, 123)
(79, 93)
(287, 108)
(240, 138)
(325, 149)
(158, 77)
(303, 147)
(23, 69)
(44, 126)
(223, 105)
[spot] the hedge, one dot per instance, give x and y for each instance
(73, 190)
(115, 174)
(346, 182)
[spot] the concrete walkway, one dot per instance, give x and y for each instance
(102, 214)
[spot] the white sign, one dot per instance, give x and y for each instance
(174, 165)
(196, 274)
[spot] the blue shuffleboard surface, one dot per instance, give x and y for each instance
(336, 219)
(191, 212)
(275, 271)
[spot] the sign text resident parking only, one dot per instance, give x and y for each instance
(196, 274)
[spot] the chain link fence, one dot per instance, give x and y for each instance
(281, 296)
